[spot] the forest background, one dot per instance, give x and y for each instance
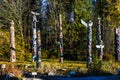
(74, 33)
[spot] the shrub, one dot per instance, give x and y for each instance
(108, 56)
(10, 68)
(44, 54)
(95, 67)
(28, 57)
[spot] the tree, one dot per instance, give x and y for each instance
(12, 10)
(72, 11)
(109, 11)
(20, 12)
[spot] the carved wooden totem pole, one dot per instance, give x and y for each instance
(61, 38)
(117, 43)
(100, 45)
(38, 49)
(89, 44)
(34, 41)
(12, 43)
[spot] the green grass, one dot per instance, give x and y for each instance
(48, 65)
(111, 67)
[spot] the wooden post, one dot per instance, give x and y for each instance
(61, 39)
(12, 43)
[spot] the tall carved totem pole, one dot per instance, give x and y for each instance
(34, 41)
(60, 32)
(117, 43)
(100, 45)
(61, 38)
(12, 43)
(89, 43)
(38, 49)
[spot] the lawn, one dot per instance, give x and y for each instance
(106, 68)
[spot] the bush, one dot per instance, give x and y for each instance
(44, 54)
(10, 68)
(108, 56)
(4, 45)
(28, 57)
(95, 67)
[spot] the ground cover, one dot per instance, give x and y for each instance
(54, 67)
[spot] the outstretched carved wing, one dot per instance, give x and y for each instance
(84, 23)
(34, 13)
(99, 46)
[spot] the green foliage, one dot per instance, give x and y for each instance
(104, 68)
(108, 10)
(96, 65)
(108, 57)
(110, 66)
(74, 43)
(97, 69)
(74, 33)
(27, 56)
(12, 10)
(45, 54)
(16, 11)
(4, 45)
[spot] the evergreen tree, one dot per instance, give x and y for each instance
(108, 10)
(12, 10)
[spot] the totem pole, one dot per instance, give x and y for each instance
(60, 31)
(72, 14)
(12, 43)
(34, 41)
(89, 37)
(117, 43)
(100, 42)
(38, 49)
(61, 39)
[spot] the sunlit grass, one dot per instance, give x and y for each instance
(110, 66)
(51, 65)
